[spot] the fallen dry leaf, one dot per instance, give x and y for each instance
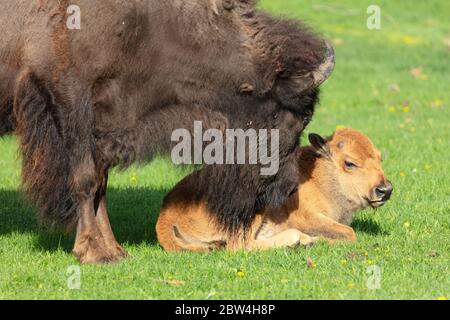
(310, 263)
(433, 254)
(172, 282)
(394, 87)
(175, 282)
(418, 73)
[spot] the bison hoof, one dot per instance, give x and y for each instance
(119, 252)
(90, 250)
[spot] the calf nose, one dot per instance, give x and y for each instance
(384, 191)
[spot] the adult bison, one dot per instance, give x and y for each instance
(111, 93)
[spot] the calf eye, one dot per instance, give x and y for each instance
(350, 165)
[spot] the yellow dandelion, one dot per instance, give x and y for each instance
(240, 274)
(437, 103)
(344, 262)
(406, 109)
(427, 166)
(338, 41)
(441, 298)
(392, 109)
(402, 174)
(133, 178)
(340, 127)
(369, 262)
(350, 285)
(410, 40)
(406, 225)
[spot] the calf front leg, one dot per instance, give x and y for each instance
(325, 227)
(287, 238)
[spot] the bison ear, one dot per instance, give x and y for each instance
(320, 145)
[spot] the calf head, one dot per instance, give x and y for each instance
(354, 168)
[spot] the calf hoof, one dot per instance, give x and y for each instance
(307, 241)
(292, 237)
(91, 250)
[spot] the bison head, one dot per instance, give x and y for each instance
(293, 61)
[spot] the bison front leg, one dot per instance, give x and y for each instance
(94, 240)
(58, 169)
(103, 223)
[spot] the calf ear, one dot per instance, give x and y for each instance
(320, 145)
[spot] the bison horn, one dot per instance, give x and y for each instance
(325, 69)
(313, 79)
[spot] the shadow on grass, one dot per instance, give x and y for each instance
(368, 226)
(133, 213)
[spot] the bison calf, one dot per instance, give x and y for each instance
(338, 177)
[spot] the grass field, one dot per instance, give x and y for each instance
(392, 84)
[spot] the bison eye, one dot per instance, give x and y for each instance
(350, 165)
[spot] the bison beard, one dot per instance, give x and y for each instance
(7, 120)
(112, 93)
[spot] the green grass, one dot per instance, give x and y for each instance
(408, 239)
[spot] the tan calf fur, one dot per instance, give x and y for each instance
(338, 177)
